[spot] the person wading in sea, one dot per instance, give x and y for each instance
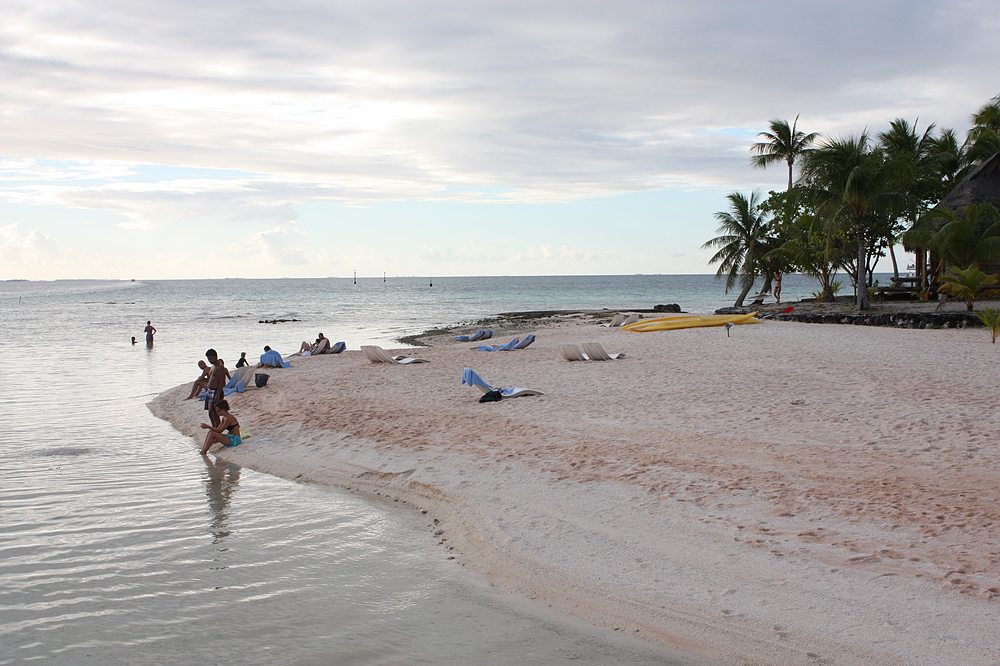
(150, 332)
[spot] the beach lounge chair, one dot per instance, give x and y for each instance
(596, 352)
(615, 321)
(758, 299)
(238, 380)
(378, 355)
(470, 377)
(572, 353)
(527, 340)
(482, 334)
(336, 348)
(631, 319)
(507, 347)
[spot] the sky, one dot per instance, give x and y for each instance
(156, 139)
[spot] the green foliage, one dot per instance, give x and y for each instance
(971, 235)
(968, 284)
(991, 319)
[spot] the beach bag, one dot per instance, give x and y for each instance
(491, 396)
(260, 379)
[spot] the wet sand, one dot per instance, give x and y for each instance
(792, 494)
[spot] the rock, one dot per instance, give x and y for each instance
(672, 307)
(731, 311)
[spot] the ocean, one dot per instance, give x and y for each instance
(119, 544)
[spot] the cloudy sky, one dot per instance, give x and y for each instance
(178, 139)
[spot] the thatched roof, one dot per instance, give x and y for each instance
(980, 186)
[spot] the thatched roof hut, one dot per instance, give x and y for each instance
(982, 185)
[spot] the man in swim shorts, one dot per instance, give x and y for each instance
(150, 332)
(216, 380)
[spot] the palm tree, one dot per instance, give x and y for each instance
(781, 144)
(851, 181)
(983, 140)
(968, 236)
(968, 284)
(742, 243)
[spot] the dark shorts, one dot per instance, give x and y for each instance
(210, 397)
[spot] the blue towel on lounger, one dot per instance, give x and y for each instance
(273, 359)
(528, 339)
(507, 347)
(470, 377)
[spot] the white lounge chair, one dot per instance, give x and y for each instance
(470, 377)
(615, 321)
(572, 353)
(596, 352)
(631, 319)
(376, 354)
(239, 380)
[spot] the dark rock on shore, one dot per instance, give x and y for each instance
(893, 319)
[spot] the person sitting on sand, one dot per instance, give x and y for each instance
(270, 359)
(226, 433)
(202, 382)
(306, 346)
(243, 360)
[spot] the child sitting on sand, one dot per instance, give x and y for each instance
(215, 433)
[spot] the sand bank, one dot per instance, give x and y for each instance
(792, 494)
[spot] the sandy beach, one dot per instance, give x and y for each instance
(791, 494)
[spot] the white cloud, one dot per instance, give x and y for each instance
(243, 113)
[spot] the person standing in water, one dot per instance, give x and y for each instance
(150, 332)
(227, 432)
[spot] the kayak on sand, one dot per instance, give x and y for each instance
(690, 321)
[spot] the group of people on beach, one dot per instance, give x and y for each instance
(224, 427)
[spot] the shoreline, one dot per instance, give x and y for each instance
(749, 499)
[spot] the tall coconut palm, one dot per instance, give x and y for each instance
(781, 144)
(983, 140)
(742, 243)
(851, 181)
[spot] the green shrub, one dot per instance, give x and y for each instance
(991, 319)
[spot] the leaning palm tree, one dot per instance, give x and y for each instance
(742, 243)
(781, 144)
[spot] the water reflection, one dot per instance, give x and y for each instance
(222, 480)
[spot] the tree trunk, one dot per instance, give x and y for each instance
(892, 255)
(743, 295)
(861, 281)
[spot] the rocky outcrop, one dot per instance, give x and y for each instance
(894, 319)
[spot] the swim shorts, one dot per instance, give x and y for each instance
(210, 395)
(234, 440)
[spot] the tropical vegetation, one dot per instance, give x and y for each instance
(854, 199)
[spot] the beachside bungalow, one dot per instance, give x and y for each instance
(980, 186)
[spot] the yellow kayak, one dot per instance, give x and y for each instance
(690, 321)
